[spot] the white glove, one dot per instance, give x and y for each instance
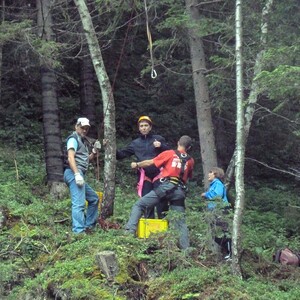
(97, 147)
(79, 179)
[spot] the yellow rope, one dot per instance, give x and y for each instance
(153, 72)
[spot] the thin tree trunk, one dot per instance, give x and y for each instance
(51, 124)
(108, 108)
(203, 105)
(87, 90)
(240, 146)
(254, 91)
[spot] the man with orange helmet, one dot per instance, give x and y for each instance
(146, 146)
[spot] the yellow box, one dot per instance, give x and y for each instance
(148, 226)
(100, 196)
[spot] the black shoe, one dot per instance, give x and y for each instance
(228, 257)
(89, 230)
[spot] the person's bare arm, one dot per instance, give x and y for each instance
(142, 164)
(71, 159)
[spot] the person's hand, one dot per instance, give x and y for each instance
(134, 165)
(203, 195)
(97, 147)
(156, 144)
(79, 179)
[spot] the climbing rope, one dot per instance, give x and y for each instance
(153, 72)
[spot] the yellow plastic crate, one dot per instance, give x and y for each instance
(100, 195)
(148, 226)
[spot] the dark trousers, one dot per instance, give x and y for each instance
(161, 207)
(220, 225)
(172, 194)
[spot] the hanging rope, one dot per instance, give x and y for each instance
(153, 72)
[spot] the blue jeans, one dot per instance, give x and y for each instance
(80, 220)
(151, 199)
(180, 226)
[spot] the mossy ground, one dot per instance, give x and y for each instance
(41, 259)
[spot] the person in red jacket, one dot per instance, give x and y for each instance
(146, 146)
(176, 168)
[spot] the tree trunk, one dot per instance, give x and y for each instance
(203, 105)
(87, 90)
(51, 124)
(108, 109)
(254, 91)
(1, 47)
(240, 146)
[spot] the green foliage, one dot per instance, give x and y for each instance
(40, 258)
(271, 82)
(273, 203)
(39, 255)
(10, 31)
(48, 51)
(17, 129)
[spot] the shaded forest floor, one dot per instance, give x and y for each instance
(41, 259)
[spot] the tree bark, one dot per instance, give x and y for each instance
(254, 90)
(240, 145)
(108, 109)
(87, 90)
(203, 105)
(1, 47)
(51, 124)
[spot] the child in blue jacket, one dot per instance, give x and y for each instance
(216, 188)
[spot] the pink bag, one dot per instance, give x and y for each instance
(287, 257)
(140, 184)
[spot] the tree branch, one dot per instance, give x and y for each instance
(273, 168)
(208, 2)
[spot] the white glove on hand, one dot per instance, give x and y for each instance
(97, 146)
(79, 179)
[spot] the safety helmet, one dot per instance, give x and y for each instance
(145, 118)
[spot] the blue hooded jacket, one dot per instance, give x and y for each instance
(216, 189)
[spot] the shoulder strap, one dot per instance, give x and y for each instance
(183, 159)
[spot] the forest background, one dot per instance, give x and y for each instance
(47, 81)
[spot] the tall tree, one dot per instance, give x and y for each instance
(87, 90)
(240, 145)
(254, 90)
(108, 108)
(51, 123)
(1, 44)
(203, 105)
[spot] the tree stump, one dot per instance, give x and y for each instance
(108, 264)
(58, 190)
(3, 217)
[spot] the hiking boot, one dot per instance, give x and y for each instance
(89, 231)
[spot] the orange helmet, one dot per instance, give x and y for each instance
(145, 118)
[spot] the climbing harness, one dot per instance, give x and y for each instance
(153, 72)
(184, 157)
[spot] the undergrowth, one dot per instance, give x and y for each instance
(40, 258)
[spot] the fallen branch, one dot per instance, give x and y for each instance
(61, 221)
